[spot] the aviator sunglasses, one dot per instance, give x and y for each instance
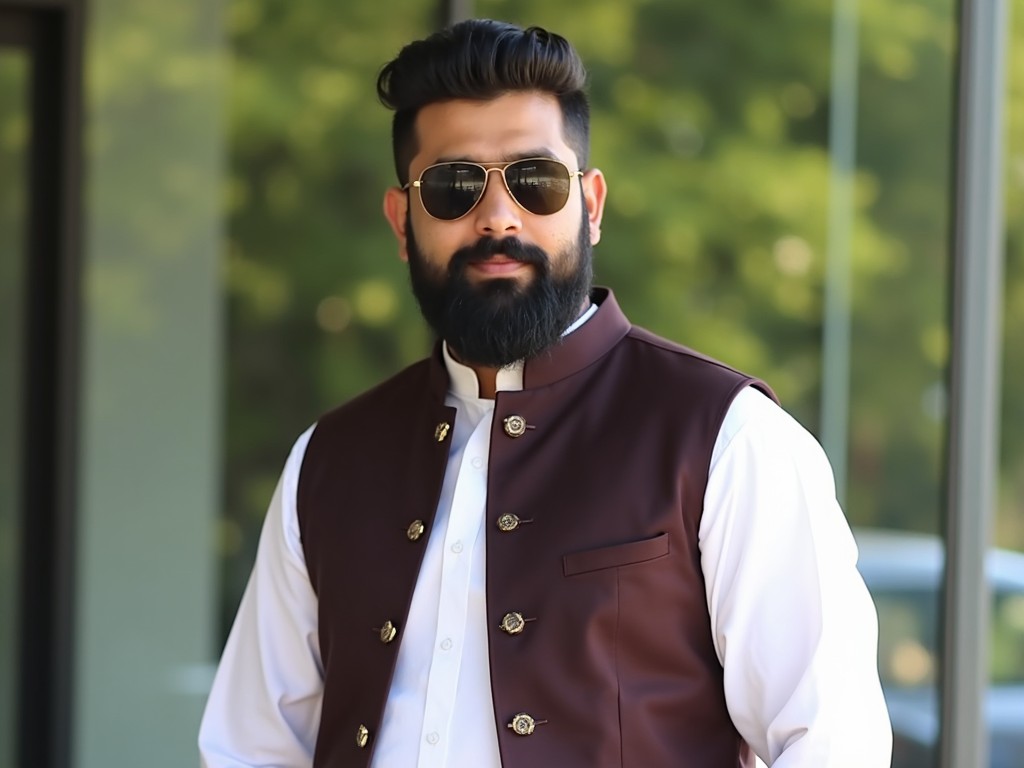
(448, 191)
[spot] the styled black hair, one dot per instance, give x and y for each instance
(480, 60)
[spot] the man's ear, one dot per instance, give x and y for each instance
(594, 192)
(396, 205)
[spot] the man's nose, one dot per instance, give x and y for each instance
(497, 214)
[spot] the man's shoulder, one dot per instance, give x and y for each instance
(673, 357)
(680, 353)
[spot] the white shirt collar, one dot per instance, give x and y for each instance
(462, 379)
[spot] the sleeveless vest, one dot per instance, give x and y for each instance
(603, 460)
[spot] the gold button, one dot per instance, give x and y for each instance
(508, 522)
(362, 736)
(441, 432)
(513, 623)
(387, 632)
(515, 426)
(522, 724)
(415, 530)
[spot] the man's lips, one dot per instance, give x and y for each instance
(498, 265)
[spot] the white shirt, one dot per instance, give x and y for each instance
(796, 634)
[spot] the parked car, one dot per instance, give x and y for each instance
(904, 573)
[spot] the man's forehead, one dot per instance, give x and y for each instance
(500, 156)
(509, 127)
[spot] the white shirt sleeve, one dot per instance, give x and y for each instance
(264, 707)
(794, 626)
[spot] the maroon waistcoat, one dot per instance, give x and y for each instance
(616, 662)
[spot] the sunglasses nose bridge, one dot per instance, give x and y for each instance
(487, 178)
(500, 170)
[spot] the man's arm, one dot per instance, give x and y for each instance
(794, 626)
(264, 708)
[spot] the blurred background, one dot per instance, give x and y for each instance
(782, 190)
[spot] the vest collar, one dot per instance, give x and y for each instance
(572, 354)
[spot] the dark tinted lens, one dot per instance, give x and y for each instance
(448, 191)
(540, 186)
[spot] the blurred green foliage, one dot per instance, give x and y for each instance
(710, 122)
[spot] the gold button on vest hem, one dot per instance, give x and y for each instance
(522, 724)
(387, 632)
(415, 530)
(362, 736)
(515, 426)
(441, 432)
(513, 623)
(508, 522)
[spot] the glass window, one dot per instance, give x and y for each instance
(908, 628)
(1008, 637)
(150, 404)
(15, 77)
(1006, 699)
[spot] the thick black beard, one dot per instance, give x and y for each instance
(497, 321)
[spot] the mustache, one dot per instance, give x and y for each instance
(487, 248)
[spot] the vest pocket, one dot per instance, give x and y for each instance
(616, 555)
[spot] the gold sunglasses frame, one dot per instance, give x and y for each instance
(487, 168)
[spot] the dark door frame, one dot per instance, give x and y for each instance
(50, 33)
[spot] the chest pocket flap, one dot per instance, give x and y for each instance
(616, 555)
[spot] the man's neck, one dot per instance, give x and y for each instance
(487, 380)
(487, 377)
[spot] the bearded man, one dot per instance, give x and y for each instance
(560, 541)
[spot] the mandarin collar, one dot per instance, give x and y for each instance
(464, 383)
(571, 354)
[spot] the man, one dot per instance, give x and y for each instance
(559, 541)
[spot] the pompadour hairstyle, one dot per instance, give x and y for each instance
(480, 60)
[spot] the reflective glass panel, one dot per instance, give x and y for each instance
(1006, 693)
(149, 410)
(14, 134)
